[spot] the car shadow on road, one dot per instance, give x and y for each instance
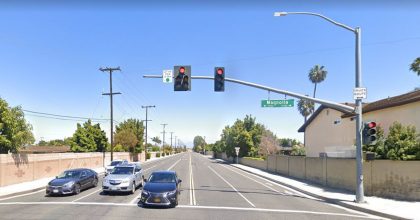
(114, 193)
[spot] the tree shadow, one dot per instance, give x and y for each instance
(20, 159)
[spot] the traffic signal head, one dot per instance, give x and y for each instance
(219, 79)
(182, 78)
(369, 133)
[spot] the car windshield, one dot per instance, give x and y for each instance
(162, 178)
(115, 163)
(123, 170)
(69, 175)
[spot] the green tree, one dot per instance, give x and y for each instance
(88, 138)
(415, 66)
(298, 150)
(305, 108)
(42, 143)
(316, 75)
(15, 132)
(199, 143)
(156, 140)
(402, 142)
(127, 139)
(136, 127)
(245, 134)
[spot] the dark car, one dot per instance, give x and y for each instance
(72, 182)
(161, 189)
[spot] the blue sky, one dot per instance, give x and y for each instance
(50, 55)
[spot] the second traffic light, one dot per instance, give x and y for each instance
(369, 133)
(182, 78)
(219, 79)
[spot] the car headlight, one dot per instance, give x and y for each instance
(69, 184)
(145, 193)
(171, 193)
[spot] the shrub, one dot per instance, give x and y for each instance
(147, 156)
(402, 142)
(255, 158)
(157, 154)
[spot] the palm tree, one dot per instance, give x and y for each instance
(415, 66)
(305, 107)
(316, 75)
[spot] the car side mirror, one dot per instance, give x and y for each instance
(179, 181)
(83, 175)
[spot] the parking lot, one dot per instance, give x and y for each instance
(210, 190)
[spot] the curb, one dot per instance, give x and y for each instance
(329, 200)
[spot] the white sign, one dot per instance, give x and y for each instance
(167, 76)
(237, 150)
(359, 93)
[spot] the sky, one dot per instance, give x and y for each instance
(50, 55)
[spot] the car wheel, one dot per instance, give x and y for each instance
(77, 189)
(133, 189)
(95, 182)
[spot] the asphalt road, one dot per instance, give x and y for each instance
(210, 190)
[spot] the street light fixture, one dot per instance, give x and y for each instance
(358, 109)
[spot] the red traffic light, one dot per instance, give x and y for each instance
(182, 69)
(220, 71)
(372, 124)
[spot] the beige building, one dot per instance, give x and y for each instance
(332, 132)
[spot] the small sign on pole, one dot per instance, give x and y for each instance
(237, 153)
(359, 93)
(167, 76)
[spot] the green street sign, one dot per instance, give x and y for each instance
(278, 103)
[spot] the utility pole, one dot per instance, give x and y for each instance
(111, 94)
(171, 137)
(175, 141)
(145, 146)
(163, 141)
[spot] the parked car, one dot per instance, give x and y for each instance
(123, 178)
(114, 163)
(161, 189)
(72, 182)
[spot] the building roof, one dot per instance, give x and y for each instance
(389, 102)
(44, 149)
(316, 113)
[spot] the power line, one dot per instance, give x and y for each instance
(64, 116)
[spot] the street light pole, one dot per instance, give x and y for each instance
(358, 102)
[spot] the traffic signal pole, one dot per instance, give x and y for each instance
(342, 107)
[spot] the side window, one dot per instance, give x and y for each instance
(84, 173)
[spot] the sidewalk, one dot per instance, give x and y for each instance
(32, 186)
(387, 208)
(28, 187)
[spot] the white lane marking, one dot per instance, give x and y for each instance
(307, 196)
(87, 195)
(232, 186)
(26, 194)
(173, 165)
(280, 185)
(148, 168)
(271, 188)
(134, 201)
(276, 211)
(268, 184)
(193, 207)
(192, 192)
